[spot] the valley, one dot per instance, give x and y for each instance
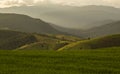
(59, 39)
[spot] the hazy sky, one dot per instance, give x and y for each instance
(8, 3)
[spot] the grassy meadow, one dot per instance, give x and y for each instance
(100, 61)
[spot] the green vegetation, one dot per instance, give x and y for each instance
(26, 53)
(101, 61)
(44, 46)
(11, 39)
(50, 42)
(102, 42)
(42, 49)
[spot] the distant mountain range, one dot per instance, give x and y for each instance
(23, 23)
(107, 29)
(103, 30)
(85, 17)
(87, 21)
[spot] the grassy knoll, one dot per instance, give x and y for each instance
(101, 61)
(102, 42)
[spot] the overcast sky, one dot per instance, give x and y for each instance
(8, 3)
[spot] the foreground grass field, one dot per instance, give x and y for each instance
(101, 61)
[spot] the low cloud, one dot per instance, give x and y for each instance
(113, 2)
(9, 3)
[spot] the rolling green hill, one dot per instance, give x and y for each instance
(10, 40)
(45, 42)
(50, 42)
(102, 42)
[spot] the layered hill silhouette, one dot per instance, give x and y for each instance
(97, 21)
(70, 16)
(25, 23)
(107, 29)
(41, 35)
(103, 30)
(12, 40)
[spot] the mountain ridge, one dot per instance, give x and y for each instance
(25, 23)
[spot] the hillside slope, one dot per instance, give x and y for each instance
(108, 29)
(103, 42)
(103, 30)
(25, 24)
(10, 40)
(50, 42)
